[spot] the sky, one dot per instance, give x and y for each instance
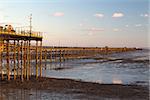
(88, 23)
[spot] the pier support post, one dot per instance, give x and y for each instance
(29, 59)
(24, 59)
(14, 60)
(60, 56)
(51, 55)
(18, 55)
(22, 69)
(63, 55)
(55, 55)
(1, 67)
(40, 58)
(1, 64)
(7, 59)
(36, 59)
(45, 57)
(67, 54)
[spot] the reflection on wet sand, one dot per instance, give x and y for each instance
(65, 89)
(14, 94)
(24, 94)
(117, 81)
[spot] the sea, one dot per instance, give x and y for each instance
(130, 67)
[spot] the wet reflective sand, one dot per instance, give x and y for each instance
(64, 89)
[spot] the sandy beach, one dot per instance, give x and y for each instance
(87, 90)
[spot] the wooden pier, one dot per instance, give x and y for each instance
(20, 49)
(15, 54)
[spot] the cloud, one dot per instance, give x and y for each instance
(85, 19)
(90, 34)
(80, 24)
(138, 25)
(116, 29)
(93, 29)
(1, 16)
(126, 25)
(58, 14)
(117, 15)
(144, 15)
(99, 15)
(97, 29)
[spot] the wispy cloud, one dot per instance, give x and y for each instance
(80, 24)
(138, 25)
(116, 29)
(97, 29)
(126, 25)
(90, 34)
(144, 15)
(99, 15)
(1, 16)
(11, 23)
(58, 14)
(94, 29)
(117, 15)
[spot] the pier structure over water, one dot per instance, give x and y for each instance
(20, 59)
(15, 54)
(22, 54)
(62, 54)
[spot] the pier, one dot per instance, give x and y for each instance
(15, 54)
(19, 49)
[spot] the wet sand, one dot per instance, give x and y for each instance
(89, 91)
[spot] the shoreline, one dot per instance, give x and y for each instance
(71, 86)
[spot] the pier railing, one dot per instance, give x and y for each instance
(24, 33)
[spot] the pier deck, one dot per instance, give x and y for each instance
(20, 35)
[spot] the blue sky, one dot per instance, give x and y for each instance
(116, 23)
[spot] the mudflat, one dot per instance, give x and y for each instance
(89, 90)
